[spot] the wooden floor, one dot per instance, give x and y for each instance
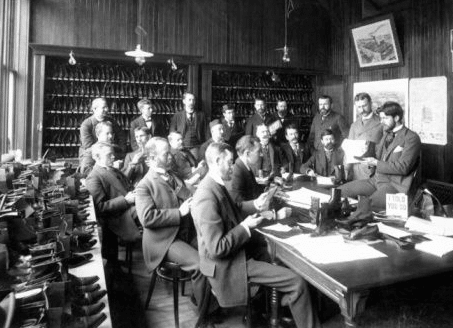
(427, 303)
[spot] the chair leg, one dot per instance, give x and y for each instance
(249, 308)
(183, 288)
(152, 284)
(175, 298)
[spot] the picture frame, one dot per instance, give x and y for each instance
(376, 43)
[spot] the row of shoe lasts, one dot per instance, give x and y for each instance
(228, 93)
(261, 80)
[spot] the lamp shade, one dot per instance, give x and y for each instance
(138, 52)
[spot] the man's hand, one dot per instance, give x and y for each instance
(260, 202)
(311, 173)
(252, 221)
(130, 197)
(137, 158)
(118, 164)
(184, 209)
(284, 212)
(370, 161)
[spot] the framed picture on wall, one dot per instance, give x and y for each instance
(376, 43)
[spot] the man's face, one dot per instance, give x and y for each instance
(106, 157)
(260, 107)
(282, 108)
(363, 107)
(106, 134)
(229, 115)
(163, 157)
(141, 137)
(328, 141)
(217, 133)
(253, 156)
(292, 135)
(189, 103)
(388, 121)
(262, 133)
(225, 165)
(324, 106)
(147, 111)
(176, 142)
(100, 110)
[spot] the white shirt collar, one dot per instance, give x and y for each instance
(370, 115)
(216, 178)
(396, 129)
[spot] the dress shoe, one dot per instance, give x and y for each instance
(77, 260)
(82, 247)
(85, 289)
(89, 298)
(82, 281)
(87, 310)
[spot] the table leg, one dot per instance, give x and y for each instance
(352, 304)
(274, 321)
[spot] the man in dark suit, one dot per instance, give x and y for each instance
(135, 166)
(269, 162)
(155, 126)
(191, 124)
(323, 161)
(163, 207)
(294, 153)
(232, 131)
(113, 202)
(260, 117)
(223, 230)
(217, 132)
(279, 121)
(397, 158)
(88, 127)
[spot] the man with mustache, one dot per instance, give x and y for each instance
(260, 117)
(294, 153)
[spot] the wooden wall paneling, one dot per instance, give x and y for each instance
(37, 109)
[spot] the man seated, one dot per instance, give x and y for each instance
(184, 163)
(324, 160)
(232, 131)
(163, 207)
(104, 134)
(294, 153)
(113, 202)
(154, 124)
(397, 157)
(217, 131)
(269, 162)
(135, 166)
(223, 230)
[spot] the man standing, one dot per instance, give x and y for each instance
(269, 162)
(88, 127)
(217, 132)
(191, 124)
(367, 127)
(280, 121)
(223, 230)
(323, 161)
(397, 158)
(113, 203)
(294, 153)
(260, 117)
(135, 166)
(163, 207)
(326, 119)
(146, 119)
(232, 131)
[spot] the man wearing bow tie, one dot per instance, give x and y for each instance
(232, 131)
(155, 126)
(397, 159)
(294, 153)
(324, 160)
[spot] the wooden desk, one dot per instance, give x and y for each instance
(348, 283)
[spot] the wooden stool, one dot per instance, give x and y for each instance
(169, 271)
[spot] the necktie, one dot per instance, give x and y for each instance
(389, 138)
(329, 155)
(190, 117)
(170, 180)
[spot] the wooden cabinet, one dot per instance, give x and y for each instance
(69, 89)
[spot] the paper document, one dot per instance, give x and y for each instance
(353, 148)
(438, 245)
(439, 226)
(295, 175)
(279, 227)
(393, 232)
(302, 198)
(325, 181)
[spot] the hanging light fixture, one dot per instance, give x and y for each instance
(172, 64)
(72, 60)
(138, 53)
(289, 7)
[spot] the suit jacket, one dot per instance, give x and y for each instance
(253, 121)
(289, 159)
(157, 129)
(158, 211)
(232, 135)
(397, 163)
(108, 188)
(221, 241)
(183, 161)
(279, 135)
(88, 134)
(274, 154)
(203, 148)
(333, 121)
(318, 162)
(178, 124)
(137, 172)
(243, 184)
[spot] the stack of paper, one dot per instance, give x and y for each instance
(437, 226)
(438, 245)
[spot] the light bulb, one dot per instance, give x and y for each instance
(172, 64)
(72, 60)
(140, 60)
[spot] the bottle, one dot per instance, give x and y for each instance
(335, 203)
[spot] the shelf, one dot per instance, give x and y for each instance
(290, 102)
(297, 89)
(62, 145)
(162, 83)
(73, 95)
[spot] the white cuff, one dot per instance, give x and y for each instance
(246, 228)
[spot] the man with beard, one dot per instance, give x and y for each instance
(294, 153)
(224, 229)
(367, 127)
(260, 117)
(216, 128)
(135, 166)
(146, 119)
(326, 118)
(269, 162)
(324, 160)
(191, 124)
(280, 121)
(397, 157)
